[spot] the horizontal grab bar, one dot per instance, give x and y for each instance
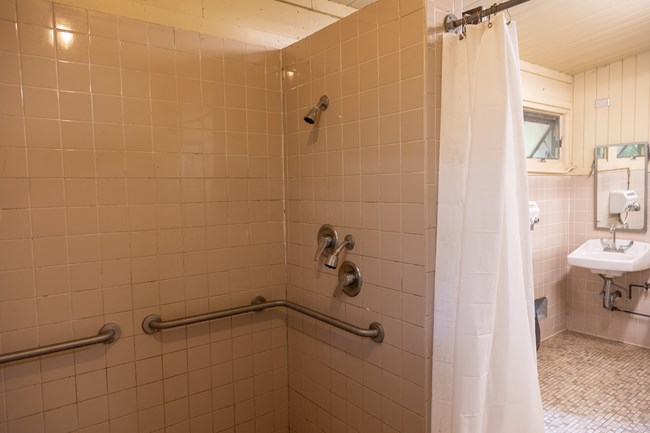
(109, 333)
(153, 323)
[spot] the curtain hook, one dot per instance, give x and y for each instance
(496, 10)
(509, 17)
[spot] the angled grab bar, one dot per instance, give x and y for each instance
(108, 333)
(153, 323)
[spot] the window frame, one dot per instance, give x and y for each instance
(551, 122)
(563, 164)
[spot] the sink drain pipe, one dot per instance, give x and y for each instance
(645, 286)
(630, 312)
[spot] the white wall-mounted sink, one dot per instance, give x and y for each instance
(611, 264)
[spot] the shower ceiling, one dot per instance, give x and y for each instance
(564, 35)
(271, 23)
(572, 36)
(337, 8)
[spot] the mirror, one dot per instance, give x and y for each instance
(621, 185)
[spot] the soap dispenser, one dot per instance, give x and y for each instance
(533, 214)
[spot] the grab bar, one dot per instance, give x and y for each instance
(153, 323)
(108, 333)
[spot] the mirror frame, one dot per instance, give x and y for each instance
(645, 185)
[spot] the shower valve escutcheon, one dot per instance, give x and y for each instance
(349, 280)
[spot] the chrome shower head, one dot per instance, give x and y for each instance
(333, 259)
(314, 113)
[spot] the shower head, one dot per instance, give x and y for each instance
(314, 113)
(333, 259)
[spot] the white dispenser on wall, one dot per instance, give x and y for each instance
(623, 200)
(533, 213)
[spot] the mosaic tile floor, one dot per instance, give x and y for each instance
(591, 385)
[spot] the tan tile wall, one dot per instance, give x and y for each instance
(550, 247)
(362, 170)
(141, 171)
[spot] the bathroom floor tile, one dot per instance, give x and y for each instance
(591, 385)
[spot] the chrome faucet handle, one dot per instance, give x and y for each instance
(349, 280)
(326, 240)
(323, 242)
(625, 247)
(345, 280)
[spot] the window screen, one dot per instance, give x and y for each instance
(542, 135)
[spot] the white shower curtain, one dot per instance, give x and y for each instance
(484, 361)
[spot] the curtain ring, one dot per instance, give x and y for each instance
(496, 8)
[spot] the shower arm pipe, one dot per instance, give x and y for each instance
(153, 323)
(109, 333)
(452, 23)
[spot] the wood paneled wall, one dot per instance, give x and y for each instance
(627, 118)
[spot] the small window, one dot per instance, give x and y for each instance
(631, 151)
(542, 135)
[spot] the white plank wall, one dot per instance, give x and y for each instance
(642, 108)
(628, 112)
(615, 101)
(578, 122)
(602, 114)
(589, 118)
(627, 85)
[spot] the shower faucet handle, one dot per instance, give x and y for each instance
(349, 280)
(326, 240)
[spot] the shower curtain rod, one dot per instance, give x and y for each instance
(452, 23)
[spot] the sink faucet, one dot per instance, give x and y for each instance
(611, 244)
